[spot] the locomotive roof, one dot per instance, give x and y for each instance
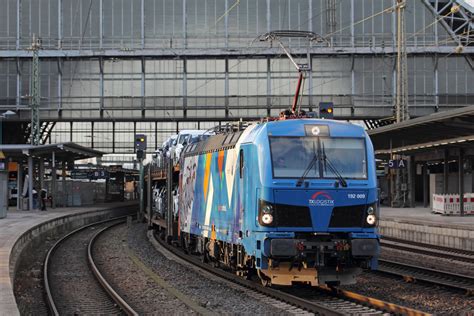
(229, 140)
(213, 143)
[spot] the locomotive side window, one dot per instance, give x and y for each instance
(241, 163)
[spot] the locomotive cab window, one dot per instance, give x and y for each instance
(324, 157)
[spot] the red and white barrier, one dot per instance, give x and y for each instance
(449, 204)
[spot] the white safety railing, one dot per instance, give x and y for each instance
(449, 204)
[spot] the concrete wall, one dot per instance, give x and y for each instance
(454, 237)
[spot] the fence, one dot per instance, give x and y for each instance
(449, 204)
(77, 192)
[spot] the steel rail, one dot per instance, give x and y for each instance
(46, 267)
(379, 304)
(107, 287)
(285, 297)
(412, 273)
(308, 305)
(429, 250)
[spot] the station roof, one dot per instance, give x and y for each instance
(453, 128)
(62, 151)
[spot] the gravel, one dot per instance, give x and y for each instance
(149, 298)
(137, 289)
(437, 263)
(213, 294)
(74, 287)
(28, 286)
(430, 299)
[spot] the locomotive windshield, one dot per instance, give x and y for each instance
(292, 155)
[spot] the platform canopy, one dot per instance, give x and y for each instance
(453, 128)
(62, 151)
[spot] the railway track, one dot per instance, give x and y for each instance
(429, 250)
(72, 281)
(320, 301)
(411, 273)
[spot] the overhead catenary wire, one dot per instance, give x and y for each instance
(83, 33)
(256, 38)
(236, 3)
(390, 9)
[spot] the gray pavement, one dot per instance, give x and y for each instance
(12, 228)
(424, 216)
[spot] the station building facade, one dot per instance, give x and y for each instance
(110, 69)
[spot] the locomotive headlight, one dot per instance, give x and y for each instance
(371, 210)
(266, 216)
(370, 219)
(267, 219)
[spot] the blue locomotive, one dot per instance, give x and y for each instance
(290, 200)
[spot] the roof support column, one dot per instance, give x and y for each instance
(411, 180)
(113, 137)
(353, 90)
(269, 16)
(18, 82)
(185, 25)
(41, 174)
(269, 86)
(19, 185)
(436, 82)
(461, 180)
(30, 182)
(426, 183)
(63, 182)
(156, 136)
(101, 87)
(60, 91)
(92, 134)
(134, 133)
(185, 88)
(446, 171)
(226, 87)
(101, 24)
(60, 24)
(149, 195)
(226, 24)
(142, 23)
(18, 16)
(142, 88)
(53, 179)
(352, 24)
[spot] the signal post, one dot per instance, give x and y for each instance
(140, 147)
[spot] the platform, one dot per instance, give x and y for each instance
(15, 225)
(421, 225)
